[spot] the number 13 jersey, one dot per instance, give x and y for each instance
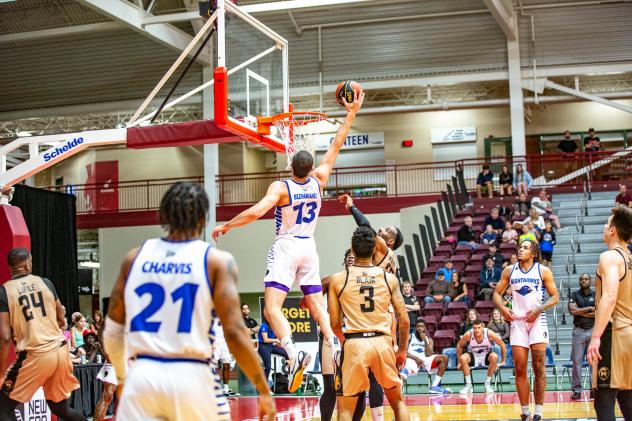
(168, 304)
(299, 217)
(364, 300)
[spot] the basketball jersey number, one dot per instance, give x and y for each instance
(186, 293)
(369, 304)
(311, 212)
(27, 304)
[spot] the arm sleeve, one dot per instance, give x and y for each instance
(359, 217)
(50, 286)
(4, 301)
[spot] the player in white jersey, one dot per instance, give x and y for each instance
(529, 282)
(222, 360)
(293, 255)
(420, 355)
(479, 353)
(161, 312)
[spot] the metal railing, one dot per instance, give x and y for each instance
(379, 181)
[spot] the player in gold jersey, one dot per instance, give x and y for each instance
(32, 315)
(387, 240)
(610, 348)
(359, 298)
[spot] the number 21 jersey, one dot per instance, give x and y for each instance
(168, 303)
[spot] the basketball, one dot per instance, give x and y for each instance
(346, 90)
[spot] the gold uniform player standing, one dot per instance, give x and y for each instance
(360, 296)
(31, 313)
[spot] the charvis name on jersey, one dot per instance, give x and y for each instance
(167, 268)
(299, 196)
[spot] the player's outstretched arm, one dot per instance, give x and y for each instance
(114, 331)
(609, 262)
(323, 171)
(502, 285)
(402, 319)
(256, 211)
(551, 289)
(362, 221)
(222, 271)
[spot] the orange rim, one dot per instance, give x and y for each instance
(306, 117)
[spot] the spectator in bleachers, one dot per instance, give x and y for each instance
(534, 218)
(412, 305)
(567, 145)
(438, 291)
(521, 206)
(447, 270)
(581, 304)
(490, 275)
(499, 326)
(512, 260)
(459, 290)
(547, 242)
(489, 235)
(93, 347)
(496, 221)
(466, 235)
(544, 207)
(510, 235)
(484, 182)
(505, 181)
(522, 180)
(624, 197)
(472, 315)
(534, 230)
(492, 253)
(592, 143)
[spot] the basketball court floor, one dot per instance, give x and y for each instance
(501, 406)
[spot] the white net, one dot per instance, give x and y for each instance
(299, 131)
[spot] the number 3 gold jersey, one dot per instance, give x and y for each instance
(364, 300)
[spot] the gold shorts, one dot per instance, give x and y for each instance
(52, 371)
(360, 355)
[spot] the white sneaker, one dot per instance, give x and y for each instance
(297, 366)
(488, 388)
(467, 390)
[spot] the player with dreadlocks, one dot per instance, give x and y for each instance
(529, 282)
(166, 297)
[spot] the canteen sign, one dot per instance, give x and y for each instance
(353, 141)
(303, 326)
(453, 134)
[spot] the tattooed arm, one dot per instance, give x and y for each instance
(551, 289)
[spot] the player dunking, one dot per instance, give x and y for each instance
(529, 281)
(360, 295)
(166, 297)
(293, 255)
(31, 313)
(610, 349)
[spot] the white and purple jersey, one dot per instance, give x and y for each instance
(299, 217)
(527, 290)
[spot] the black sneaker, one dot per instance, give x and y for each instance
(576, 395)
(537, 417)
(524, 417)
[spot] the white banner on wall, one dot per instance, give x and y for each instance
(453, 134)
(354, 141)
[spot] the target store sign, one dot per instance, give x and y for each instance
(353, 141)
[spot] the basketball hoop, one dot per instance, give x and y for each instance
(297, 129)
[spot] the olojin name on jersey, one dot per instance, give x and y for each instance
(63, 149)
